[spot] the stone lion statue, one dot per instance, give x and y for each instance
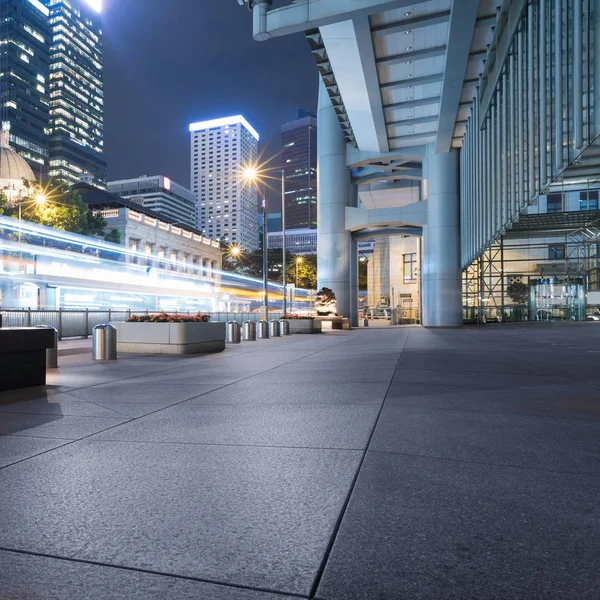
(325, 303)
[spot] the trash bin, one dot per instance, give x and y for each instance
(249, 331)
(233, 333)
(394, 316)
(364, 322)
(274, 330)
(104, 342)
(51, 353)
(284, 327)
(262, 330)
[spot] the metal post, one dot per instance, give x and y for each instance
(577, 74)
(531, 102)
(249, 331)
(558, 85)
(265, 259)
(233, 332)
(262, 330)
(283, 240)
(104, 342)
(542, 46)
(520, 116)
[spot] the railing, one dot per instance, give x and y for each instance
(79, 323)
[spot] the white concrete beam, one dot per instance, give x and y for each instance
(359, 158)
(460, 37)
(313, 14)
(362, 218)
(349, 47)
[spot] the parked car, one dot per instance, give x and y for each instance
(592, 313)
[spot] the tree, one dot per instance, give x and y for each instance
(251, 264)
(63, 209)
(307, 271)
(518, 292)
(3, 202)
(362, 274)
(113, 236)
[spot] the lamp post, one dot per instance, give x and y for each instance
(299, 260)
(252, 175)
(283, 241)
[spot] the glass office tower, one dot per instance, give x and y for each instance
(76, 91)
(24, 99)
(299, 142)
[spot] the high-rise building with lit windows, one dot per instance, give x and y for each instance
(226, 205)
(76, 91)
(24, 99)
(299, 145)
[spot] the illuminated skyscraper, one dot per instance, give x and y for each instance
(226, 206)
(299, 143)
(24, 100)
(76, 91)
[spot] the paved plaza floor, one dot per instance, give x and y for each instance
(374, 464)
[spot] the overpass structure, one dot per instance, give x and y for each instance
(444, 119)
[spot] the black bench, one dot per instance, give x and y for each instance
(23, 356)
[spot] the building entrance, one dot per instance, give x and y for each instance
(554, 298)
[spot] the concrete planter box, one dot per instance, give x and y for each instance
(304, 326)
(170, 338)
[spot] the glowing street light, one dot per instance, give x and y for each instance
(41, 200)
(299, 260)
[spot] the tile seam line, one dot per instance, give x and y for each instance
(69, 442)
(338, 524)
(487, 464)
(150, 572)
(229, 445)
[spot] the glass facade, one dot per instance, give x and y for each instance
(533, 119)
(299, 142)
(24, 98)
(76, 92)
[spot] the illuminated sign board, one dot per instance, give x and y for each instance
(167, 183)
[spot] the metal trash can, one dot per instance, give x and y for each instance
(284, 327)
(51, 353)
(233, 332)
(104, 342)
(394, 316)
(249, 331)
(364, 322)
(274, 329)
(262, 330)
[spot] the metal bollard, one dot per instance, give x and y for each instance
(51, 353)
(284, 327)
(274, 330)
(104, 342)
(364, 322)
(249, 331)
(233, 333)
(262, 330)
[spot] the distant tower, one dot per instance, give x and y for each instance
(24, 97)
(226, 206)
(299, 143)
(76, 91)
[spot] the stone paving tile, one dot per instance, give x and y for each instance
(425, 529)
(141, 392)
(255, 393)
(54, 426)
(258, 517)
(306, 426)
(559, 444)
(14, 448)
(571, 400)
(25, 577)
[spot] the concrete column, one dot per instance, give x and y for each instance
(353, 315)
(440, 269)
(333, 184)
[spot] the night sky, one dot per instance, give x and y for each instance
(170, 63)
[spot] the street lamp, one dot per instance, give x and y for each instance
(251, 175)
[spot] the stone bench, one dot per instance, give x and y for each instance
(334, 322)
(23, 356)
